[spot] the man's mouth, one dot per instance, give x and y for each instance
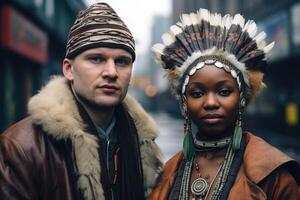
(108, 88)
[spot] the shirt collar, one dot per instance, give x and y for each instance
(106, 133)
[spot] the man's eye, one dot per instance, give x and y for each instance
(96, 60)
(123, 61)
(225, 92)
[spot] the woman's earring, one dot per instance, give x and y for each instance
(238, 132)
(188, 141)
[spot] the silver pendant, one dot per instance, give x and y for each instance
(199, 187)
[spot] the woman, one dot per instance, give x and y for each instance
(215, 67)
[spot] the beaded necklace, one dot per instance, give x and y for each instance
(208, 145)
(200, 188)
(221, 176)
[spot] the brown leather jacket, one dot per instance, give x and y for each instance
(32, 166)
(266, 173)
(39, 154)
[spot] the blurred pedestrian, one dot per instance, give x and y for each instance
(215, 65)
(84, 138)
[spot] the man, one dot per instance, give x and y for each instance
(84, 138)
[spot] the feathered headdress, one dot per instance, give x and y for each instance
(228, 42)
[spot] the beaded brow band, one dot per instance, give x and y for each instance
(216, 61)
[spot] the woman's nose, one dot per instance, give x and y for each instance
(211, 101)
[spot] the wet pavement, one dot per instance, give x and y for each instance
(171, 134)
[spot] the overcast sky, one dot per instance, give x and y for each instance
(138, 14)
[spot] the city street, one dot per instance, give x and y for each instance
(171, 134)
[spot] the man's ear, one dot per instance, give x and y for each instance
(68, 69)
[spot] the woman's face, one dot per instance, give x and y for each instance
(212, 102)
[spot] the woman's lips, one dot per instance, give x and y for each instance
(212, 119)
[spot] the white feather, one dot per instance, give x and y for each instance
(186, 20)
(246, 26)
(194, 18)
(212, 20)
(260, 37)
(167, 39)
(227, 21)
(157, 50)
(215, 19)
(251, 28)
(269, 47)
(203, 14)
(218, 19)
(175, 30)
(179, 24)
(239, 20)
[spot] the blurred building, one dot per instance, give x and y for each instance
(32, 46)
(150, 86)
(277, 110)
(157, 81)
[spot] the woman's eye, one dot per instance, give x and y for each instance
(225, 92)
(196, 94)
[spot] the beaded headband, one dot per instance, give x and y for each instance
(226, 42)
(218, 62)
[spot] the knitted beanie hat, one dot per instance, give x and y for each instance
(99, 26)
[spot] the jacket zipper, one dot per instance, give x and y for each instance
(108, 166)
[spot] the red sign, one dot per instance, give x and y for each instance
(20, 35)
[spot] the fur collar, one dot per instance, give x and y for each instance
(54, 108)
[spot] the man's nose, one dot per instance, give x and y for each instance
(110, 69)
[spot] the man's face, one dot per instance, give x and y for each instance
(100, 76)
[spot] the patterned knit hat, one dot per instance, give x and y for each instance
(99, 26)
